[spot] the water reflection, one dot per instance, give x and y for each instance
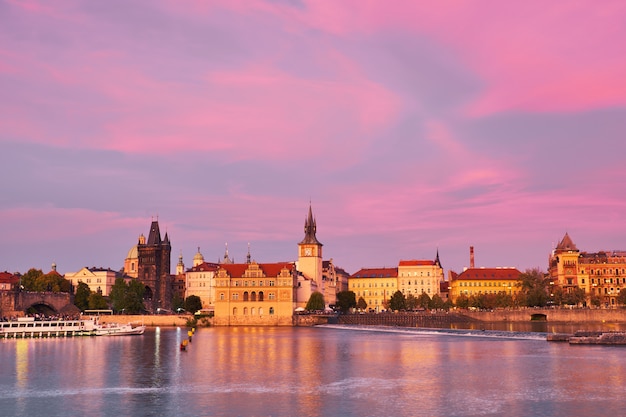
(309, 372)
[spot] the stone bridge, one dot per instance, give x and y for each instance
(16, 303)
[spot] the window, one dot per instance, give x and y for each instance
(245, 298)
(271, 311)
(271, 283)
(222, 296)
(235, 296)
(271, 296)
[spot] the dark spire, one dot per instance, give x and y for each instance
(248, 257)
(437, 261)
(154, 238)
(166, 239)
(310, 228)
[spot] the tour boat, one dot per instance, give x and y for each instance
(25, 327)
(116, 329)
(29, 327)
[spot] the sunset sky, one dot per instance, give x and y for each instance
(409, 126)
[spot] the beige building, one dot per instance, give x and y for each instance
(200, 281)
(420, 276)
(602, 275)
(255, 294)
(374, 285)
(99, 280)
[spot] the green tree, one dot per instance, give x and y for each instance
(177, 302)
(462, 301)
(410, 302)
(29, 279)
(346, 300)
(621, 297)
(52, 282)
(81, 298)
(193, 303)
(534, 284)
(361, 304)
(118, 294)
(574, 297)
(423, 300)
(436, 303)
(316, 301)
(134, 297)
(397, 301)
(97, 302)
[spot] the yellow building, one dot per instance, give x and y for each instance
(600, 274)
(374, 285)
(255, 294)
(477, 281)
(420, 276)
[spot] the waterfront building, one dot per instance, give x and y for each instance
(420, 276)
(374, 285)
(255, 294)
(200, 281)
(477, 281)
(131, 261)
(334, 280)
(99, 280)
(600, 274)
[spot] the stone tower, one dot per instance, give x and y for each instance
(153, 269)
(310, 253)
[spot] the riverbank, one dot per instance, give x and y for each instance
(173, 320)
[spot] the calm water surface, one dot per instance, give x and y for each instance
(321, 371)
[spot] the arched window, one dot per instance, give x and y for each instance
(245, 311)
(261, 311)
(271, 311)
(234, 311)
(252, 311)
(260, 297)
(253, 296)
(245, 297)
(222, 296)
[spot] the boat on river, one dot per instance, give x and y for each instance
(116, 329)
(25, 327)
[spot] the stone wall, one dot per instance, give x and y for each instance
(553, 315)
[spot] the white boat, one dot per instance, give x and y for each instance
(116, 329)
(29, 327)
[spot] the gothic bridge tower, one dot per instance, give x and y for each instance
(153, 269)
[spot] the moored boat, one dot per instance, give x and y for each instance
(116, 329)
(29, 327)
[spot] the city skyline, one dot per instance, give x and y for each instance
(408, 129)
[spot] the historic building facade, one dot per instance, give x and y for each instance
(477, 281)
(420, 276)
(374, 285)
(255, 294)
(99, 280)
(602, 275)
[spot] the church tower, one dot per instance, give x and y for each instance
(310, 252)
(154, 269)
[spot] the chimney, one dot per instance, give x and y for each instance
(471, 257)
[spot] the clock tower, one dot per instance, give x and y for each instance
(310, 252)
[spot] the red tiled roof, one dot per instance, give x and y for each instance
(415, 262)
(375, 273)
(270, 270)
(8, 278)
(204, 267)
(490, 273)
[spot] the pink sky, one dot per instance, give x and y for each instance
(411, 127)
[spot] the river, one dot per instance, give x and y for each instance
(318, 371)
